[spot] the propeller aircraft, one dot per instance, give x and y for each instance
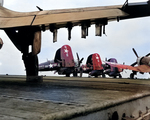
(63, 62)
(112, 71)
(143, 65)
(93, 66)
(24, 28)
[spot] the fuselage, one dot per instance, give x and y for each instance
(112, 71)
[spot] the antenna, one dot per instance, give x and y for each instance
(125, 4)
(39, 8)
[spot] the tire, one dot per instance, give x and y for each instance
(114, 76)
(68, 75)
(131, 76)
(75, 74)
(96, 76)
(120, 76)
(103, 75)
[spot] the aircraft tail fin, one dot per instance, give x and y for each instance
(1, 2)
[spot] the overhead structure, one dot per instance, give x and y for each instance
(24, 29)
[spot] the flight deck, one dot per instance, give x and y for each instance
(74, 98)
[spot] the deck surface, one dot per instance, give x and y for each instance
(64, 98)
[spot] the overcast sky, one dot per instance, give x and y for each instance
(121, 37)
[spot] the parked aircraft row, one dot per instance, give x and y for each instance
(24, 29)
(65, 64)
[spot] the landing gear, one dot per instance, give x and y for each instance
(132, 74)
(75, 73)
(103, 76)
(22, 38)
(31, 64)
(120, 76)
(96, 76)
(67, 74)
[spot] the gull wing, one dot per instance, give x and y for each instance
(140, 68)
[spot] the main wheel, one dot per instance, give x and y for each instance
(131, 76)
(75, 74)
(96, 76)
(68, 75)
(120, 76)
(103, 75)
(115, 76)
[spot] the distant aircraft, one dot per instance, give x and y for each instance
(63, 62)
(1, 43)
(93, 66)
(142, 62)
(112, 71)
(24, 28)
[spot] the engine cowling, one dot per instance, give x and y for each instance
(145, 61)
(139, 60)
(1, 2)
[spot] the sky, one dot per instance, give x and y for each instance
(118, 42)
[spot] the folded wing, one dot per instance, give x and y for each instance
(140, 68)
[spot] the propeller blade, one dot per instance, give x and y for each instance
(78, 57)
(39, 8)
(134, 64)
(135, 52)
(147, 54)
(81, 61)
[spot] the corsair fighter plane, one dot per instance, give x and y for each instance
(143, 65)
(111, 70)
(24, 29)
(93, 66)
(63, 62)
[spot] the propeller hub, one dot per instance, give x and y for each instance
(139, 59)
